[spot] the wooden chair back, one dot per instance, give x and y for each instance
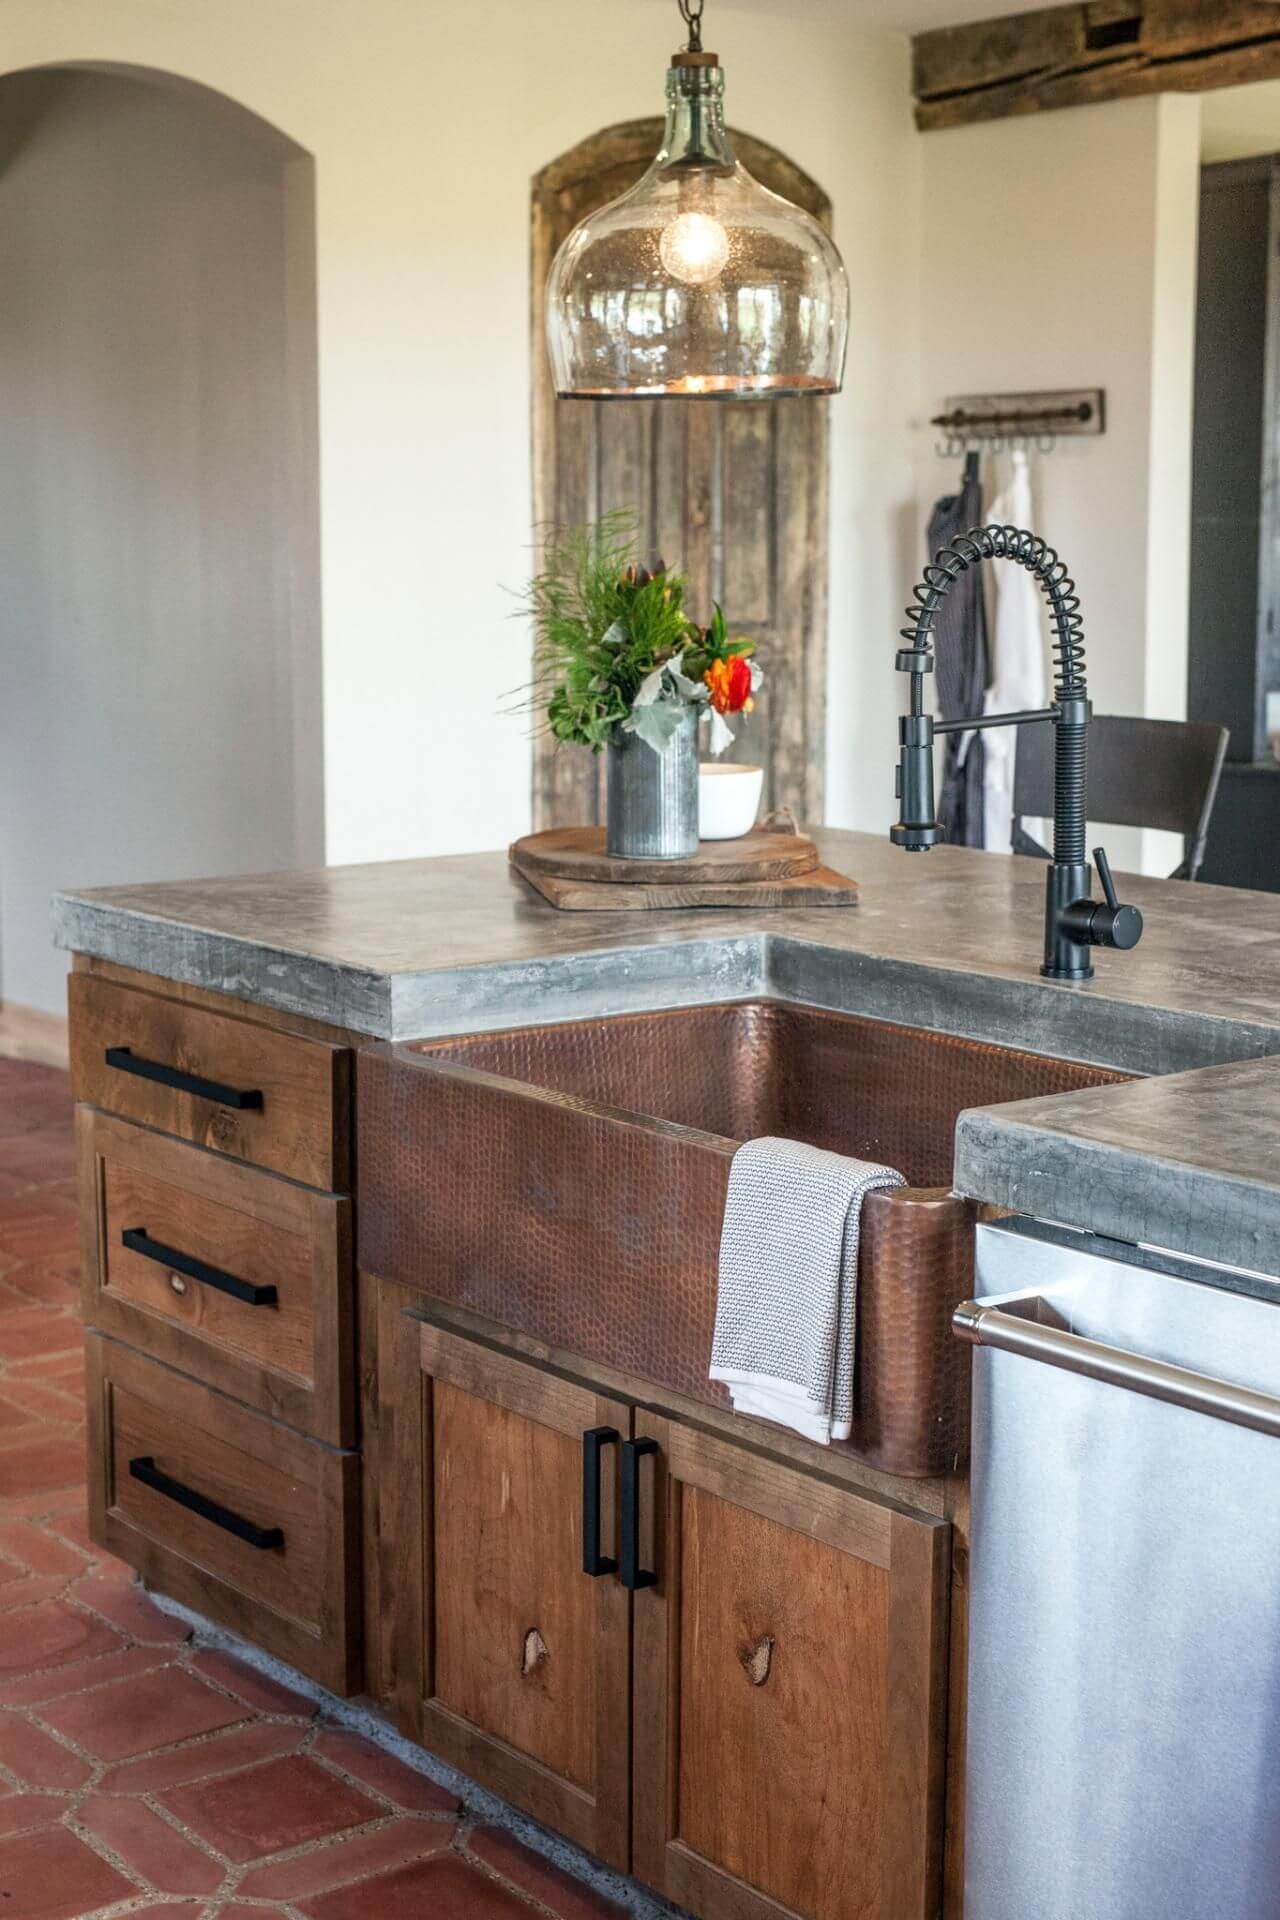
(1142, 773)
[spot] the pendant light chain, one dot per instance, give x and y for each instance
(691, 14)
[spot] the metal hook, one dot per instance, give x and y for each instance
(1046, 442)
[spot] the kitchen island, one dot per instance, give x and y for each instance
(320, 1451)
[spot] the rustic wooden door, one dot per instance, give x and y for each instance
(790, 1687)
(524, 1673)
(732, 494)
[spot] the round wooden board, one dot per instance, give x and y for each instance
(578, 853)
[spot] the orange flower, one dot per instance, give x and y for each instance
(730, 684)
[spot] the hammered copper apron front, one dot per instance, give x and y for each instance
(569, 1181)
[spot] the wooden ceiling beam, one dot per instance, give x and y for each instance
(1077, 55)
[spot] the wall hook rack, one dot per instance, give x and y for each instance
(1018, 419)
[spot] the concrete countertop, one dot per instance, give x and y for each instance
(1188, 1161)
(949, 940)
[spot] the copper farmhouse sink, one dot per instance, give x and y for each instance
(569, 1182)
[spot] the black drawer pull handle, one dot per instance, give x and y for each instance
(594, 1441)
(631, 1573)
(125, 1060)
(138, 1240)
(145, 1469)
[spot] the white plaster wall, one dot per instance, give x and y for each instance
(874, 502)
(426, 123)
(155, 521)
(1060, 252)
(1238, 122)
(1177, 218)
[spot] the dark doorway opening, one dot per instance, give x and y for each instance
(1234, 640)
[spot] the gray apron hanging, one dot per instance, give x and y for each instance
(960, 636)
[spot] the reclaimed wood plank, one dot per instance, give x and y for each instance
(1070, 56)
(707, 485)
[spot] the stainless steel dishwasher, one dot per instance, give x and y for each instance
(1124, 1651)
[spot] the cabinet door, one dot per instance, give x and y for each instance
(525, 1655)
(790, 1668)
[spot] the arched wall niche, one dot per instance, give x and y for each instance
(159, 498)
(202, 97)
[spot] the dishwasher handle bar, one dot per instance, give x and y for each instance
(984, 1326)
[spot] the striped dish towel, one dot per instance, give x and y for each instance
(787, 1305)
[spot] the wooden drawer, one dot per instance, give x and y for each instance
(276, 1099)
(244, 1520)
(234, 1275)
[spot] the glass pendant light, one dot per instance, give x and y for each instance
(699, 282)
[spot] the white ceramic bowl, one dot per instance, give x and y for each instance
(728, 799)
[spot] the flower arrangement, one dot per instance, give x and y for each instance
(615, 649)
(730, 676)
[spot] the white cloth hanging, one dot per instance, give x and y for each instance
(1019, 676)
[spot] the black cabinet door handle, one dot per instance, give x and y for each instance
(138, 1240)
(631, 1573)
(145, 1469)
(594, 1441)
(125, 1060)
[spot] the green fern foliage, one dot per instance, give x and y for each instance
(603, 625)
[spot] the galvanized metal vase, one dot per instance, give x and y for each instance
(652, 798)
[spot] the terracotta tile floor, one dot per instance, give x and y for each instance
(139, 1771)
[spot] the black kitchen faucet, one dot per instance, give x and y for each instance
(1073, 922)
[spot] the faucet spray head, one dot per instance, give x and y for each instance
(917, 829)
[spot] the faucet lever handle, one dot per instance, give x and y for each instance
(1111, 925)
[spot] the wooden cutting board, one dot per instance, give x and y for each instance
(821, 888)
(569, 867)
(578, 853)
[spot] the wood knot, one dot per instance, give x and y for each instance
(757, 1659)
(535, 1653)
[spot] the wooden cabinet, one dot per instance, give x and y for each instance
(709, 1660)
(234, 1515)
(218, 1289)
(766, 1661)
(789, 1690)
(234, 1275)
(513, 1660)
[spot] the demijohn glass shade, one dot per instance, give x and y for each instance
(699, 282)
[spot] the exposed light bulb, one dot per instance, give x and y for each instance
(694, 248)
